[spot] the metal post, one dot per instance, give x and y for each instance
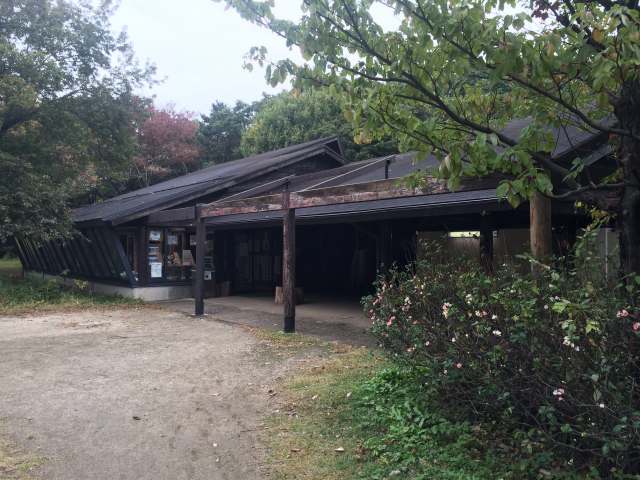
(200, 252)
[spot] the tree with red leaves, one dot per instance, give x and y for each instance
(167, 145)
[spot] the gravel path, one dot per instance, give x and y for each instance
(136, 394)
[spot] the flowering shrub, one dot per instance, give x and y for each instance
(556, 356)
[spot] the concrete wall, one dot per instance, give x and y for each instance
(149, 294)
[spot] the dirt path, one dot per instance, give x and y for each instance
(136, 394)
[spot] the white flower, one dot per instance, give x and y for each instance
(558, 391)
(494, 317)
(497, 333)
(601, 405)
(468, 298)
(546, 307)
(453, 339)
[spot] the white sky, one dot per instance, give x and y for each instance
(198, 48)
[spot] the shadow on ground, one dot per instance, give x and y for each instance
(328, 319)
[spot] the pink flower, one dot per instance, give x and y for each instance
(390, 321)
(622, 313)
(458, 365)
(636, 326)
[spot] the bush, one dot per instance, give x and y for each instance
(553, 358)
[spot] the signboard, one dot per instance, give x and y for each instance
(155, 235)
(172, 239)
(155, 269)
(207, 274)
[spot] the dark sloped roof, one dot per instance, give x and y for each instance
(208, 180)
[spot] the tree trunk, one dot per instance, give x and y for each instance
(540, 227)
(628, 113)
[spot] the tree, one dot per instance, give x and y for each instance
(220, 132)
(167, 145)
(65, 109)
(453, 72)
(290, 118)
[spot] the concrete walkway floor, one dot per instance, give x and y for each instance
(328, 318)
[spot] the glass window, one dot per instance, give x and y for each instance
(171, 253)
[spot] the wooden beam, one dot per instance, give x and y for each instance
(142, 245)
(201, 238)
(540, 226)
(361, 192)
(383, 245)
(486, 244)
(289, 263)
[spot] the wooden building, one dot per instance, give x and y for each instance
(342, 223)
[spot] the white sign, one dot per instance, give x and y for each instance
(172, 239)
(207, 275)
(156, 269)
(155, 235)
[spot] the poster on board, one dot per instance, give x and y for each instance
(155, 235)
(156, 269)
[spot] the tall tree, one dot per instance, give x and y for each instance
(167, 145)
(453, 72)
(220, 132)
(65, 98)
(291, 118)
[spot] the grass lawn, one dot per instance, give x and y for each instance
(27, 295)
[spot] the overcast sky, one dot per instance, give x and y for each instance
(198, 48)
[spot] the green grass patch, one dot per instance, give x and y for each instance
(15, 465)
(27, 295)
(360, 416)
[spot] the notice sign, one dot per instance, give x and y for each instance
(155, 235)
(156, 269)
(207, 275)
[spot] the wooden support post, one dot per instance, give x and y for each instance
(142, 246)
(540, 226)
(384, 246)
(201, 238)
(289, 263)
(486, 244)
